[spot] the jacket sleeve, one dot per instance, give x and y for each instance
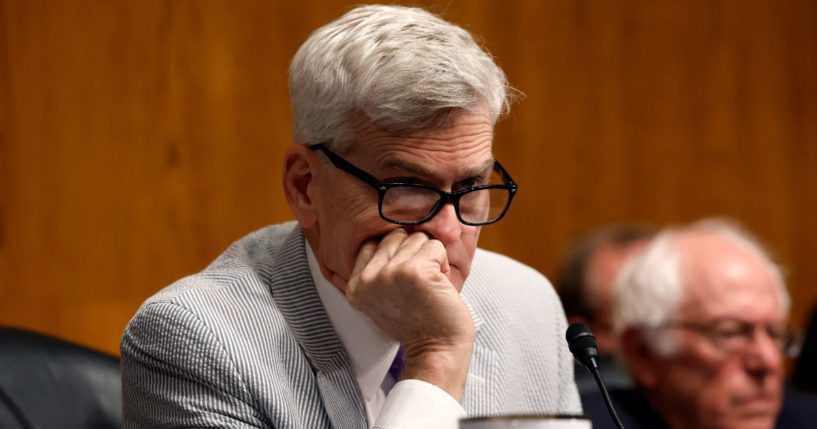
(176, 373)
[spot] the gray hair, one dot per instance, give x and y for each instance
(573, 282)
(648, 288)
(399, 68)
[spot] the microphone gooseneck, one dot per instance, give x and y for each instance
(582, 344)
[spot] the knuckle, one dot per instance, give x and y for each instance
(420, 235)
(368, 276)
(393, 272)
(435, 244)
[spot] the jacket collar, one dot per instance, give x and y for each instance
(294, 293)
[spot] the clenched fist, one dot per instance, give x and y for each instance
(401, 284)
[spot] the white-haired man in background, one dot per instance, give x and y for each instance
(701, 316)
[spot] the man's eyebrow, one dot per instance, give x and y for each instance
(423, 171)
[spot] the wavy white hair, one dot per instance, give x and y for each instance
(401, 68)
(649, 288)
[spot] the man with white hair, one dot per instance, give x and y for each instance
(701, 316)
(390, 177)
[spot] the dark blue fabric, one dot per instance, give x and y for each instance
(799, 411)
(615, 377)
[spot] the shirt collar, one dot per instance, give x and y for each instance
(370, 350)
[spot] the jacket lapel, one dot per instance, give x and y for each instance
(293, 290)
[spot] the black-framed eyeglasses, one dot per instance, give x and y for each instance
(734, 336)
(413, 203)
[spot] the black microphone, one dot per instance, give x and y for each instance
(582, 344)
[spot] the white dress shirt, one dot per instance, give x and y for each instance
(389, 405)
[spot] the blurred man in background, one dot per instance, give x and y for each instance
(701, 317)
(585, 285)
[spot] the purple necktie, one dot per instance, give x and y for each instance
(398, 364)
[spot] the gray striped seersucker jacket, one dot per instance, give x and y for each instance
(247, 343)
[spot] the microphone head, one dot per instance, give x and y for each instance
(582, 344)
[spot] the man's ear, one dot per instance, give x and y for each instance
(639, 358)
(298, 182)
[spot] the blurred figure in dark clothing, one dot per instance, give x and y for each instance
(804, 374)
(585, 285)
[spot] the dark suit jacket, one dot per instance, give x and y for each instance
(799, 411)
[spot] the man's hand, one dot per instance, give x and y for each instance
(401, 284)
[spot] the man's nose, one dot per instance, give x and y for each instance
(444, 226)
(764, 354)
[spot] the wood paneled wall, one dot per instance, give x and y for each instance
(139, 138)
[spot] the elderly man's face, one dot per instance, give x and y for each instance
(447, 159)
(724, 382)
